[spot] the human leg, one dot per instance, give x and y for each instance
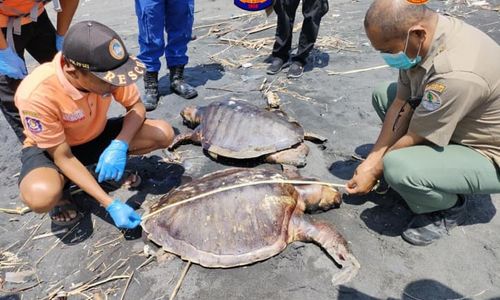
(8, 86)
(151, 20)
(41, 186)
(313, 11)
(285, 10)
(179, 17)
(42, 45)
(382, 98)
(153, 135)
(430, 179)
(179, 25)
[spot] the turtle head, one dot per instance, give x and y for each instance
(330, 198)
(320, 198)
(192, 115)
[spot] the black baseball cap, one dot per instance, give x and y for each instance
(95, 47)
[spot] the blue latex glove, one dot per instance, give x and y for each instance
(123, 215)
(111, 164)
(59, 42)
(11, 64)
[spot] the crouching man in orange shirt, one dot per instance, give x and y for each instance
(63, 106)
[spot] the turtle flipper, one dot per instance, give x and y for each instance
(192, 136)
(304, 228)
(315, 138)
(291, 172)
(294, 156)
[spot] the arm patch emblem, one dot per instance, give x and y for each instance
(34, 125)
(431, 100)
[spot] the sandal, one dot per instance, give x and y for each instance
(65, 207)
(130, 180)
(124, 181)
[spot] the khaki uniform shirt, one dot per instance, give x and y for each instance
(459, 84)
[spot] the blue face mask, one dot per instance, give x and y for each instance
(401, 60)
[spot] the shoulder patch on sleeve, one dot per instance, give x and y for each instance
(431, 100)
(435, 87)
(34, 125)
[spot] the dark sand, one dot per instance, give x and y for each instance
(463, 265)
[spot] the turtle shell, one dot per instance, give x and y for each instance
(238, 129)
(229, 228)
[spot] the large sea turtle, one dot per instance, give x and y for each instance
(244, 222)
(240, 130)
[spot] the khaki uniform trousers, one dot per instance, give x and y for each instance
(430, 177)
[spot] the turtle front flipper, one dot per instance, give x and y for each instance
(184, 138)
(305, 229)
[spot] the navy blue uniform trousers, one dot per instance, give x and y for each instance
(175, 17)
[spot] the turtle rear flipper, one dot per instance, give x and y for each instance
(315, 138)
(184, 138)
(305, 229)
(295, 156)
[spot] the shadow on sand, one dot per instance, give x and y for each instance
(196, 76)
(420, 289)
(317, 59)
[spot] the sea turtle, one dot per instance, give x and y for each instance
(240, 130)
(234, 220)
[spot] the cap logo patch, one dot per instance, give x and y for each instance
(34, 125)
(431, 101)
(116, 49)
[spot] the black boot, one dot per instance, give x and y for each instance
(178, 85)
(424, 229)
(151, 95)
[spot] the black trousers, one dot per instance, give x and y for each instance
(39, 39)
(313, 11)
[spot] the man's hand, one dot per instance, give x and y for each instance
(112, 161)
(364, 179)
(123, 215)
(59, 42)
(11, 64)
